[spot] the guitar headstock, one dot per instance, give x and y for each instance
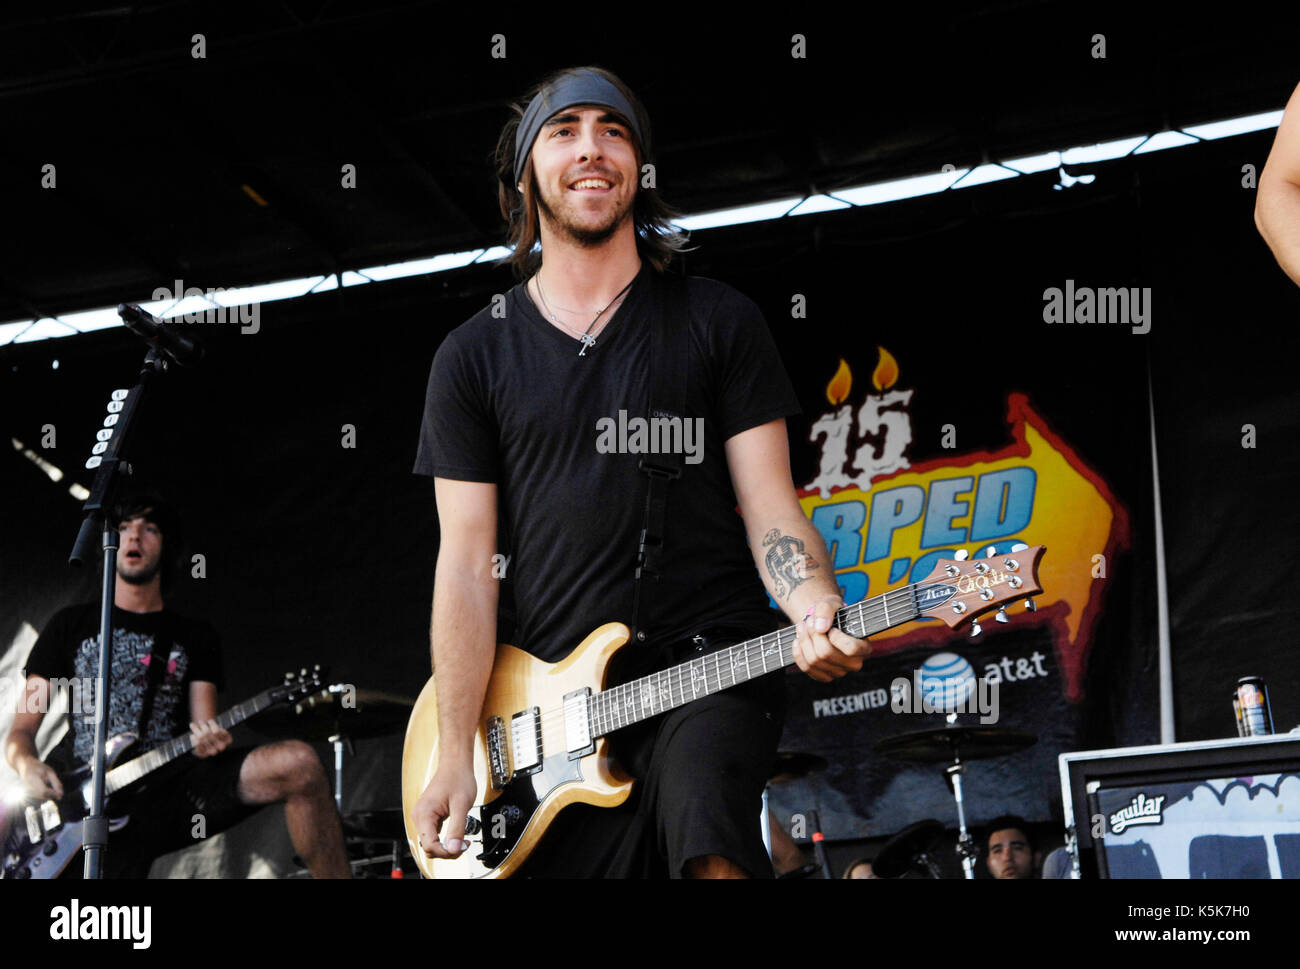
(962, 589)
(298, 685)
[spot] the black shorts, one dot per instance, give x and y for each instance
(701, 770)
(178, 810)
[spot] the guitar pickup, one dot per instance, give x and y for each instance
(526, 741)
(33, 818)
(50, 817)
(577, 723)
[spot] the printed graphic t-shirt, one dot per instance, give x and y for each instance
(68, 652)
(510, 401)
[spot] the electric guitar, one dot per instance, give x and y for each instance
(40, 840)
(542, 744)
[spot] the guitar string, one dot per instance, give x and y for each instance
(164, 752)
(712, 665)
(134, 769)
(867, 610)
(874, 608)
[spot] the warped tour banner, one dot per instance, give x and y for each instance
(888, 523)
(888, 519)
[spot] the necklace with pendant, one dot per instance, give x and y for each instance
(585, 337)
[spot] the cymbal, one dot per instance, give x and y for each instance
(900, 851)
(791, 765)
(339, 711)
(943, 744)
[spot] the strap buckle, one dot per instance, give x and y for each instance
(664, 471)
(647, 555)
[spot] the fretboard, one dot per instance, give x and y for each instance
(651, 695)
(134, 770)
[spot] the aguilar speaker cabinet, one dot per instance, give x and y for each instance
(1209, 809)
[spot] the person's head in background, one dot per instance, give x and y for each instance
(1010, 848)
(150, 538)
(860, 868)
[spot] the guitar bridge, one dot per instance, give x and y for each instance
(498, 745)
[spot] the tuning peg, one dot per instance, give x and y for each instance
(975, 629)
(961, 555)
(1019, 547)
(991, 551)
(1031, 605)
(1002, 615)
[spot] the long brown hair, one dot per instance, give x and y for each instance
(657, 239)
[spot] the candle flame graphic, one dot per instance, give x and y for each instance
(838, 389)
(886, 373)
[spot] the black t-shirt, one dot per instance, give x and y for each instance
(67, 654)
(510, 401)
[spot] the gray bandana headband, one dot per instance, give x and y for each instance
(580, 87)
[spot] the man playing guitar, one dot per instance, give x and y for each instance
(222, 786)
(516, 398)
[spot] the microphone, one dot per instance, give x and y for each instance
(166, 338)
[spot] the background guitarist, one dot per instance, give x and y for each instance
(224, 786)
(511, 429)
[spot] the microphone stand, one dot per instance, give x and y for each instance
(819, 846)
(110, 467)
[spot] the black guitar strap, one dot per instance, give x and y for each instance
(162, 644)
(669, 359)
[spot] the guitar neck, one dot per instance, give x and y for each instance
(134, 770)
(676, 686)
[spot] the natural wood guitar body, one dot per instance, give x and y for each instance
(519, 682)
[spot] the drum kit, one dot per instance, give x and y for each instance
(911, 851)
(339, 715)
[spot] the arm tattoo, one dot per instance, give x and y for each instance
(787, 562)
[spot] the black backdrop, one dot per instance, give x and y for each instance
(316, 552)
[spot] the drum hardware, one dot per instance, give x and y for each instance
(789, 765)
(340, 714)
(909, 849)
(951, 743)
